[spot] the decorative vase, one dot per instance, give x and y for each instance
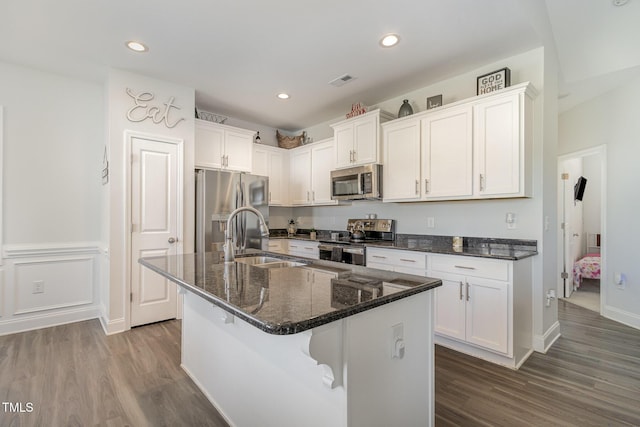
(405, 109)
(312, 235)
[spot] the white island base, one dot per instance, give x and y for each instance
(343, 373)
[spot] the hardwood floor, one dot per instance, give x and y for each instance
(589, 377)
(74, 375)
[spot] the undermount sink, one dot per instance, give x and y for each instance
(252, 260)
(280, 264)
(268, 262)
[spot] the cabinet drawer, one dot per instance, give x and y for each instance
(470, 266)
(397, 258)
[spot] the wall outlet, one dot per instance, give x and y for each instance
(397, 341)
(431, 222)
(620, 280)
(510, 220)
(38, 286)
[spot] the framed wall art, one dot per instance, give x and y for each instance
(494, 81)
(434, 101)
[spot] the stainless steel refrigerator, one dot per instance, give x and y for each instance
(218, 193)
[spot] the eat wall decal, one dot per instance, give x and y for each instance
(141, 109)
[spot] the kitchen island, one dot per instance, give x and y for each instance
(288, 342)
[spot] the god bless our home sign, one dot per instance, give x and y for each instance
(494, 81)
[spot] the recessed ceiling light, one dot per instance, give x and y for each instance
(389, 40)
(136, 46)
(283, 95)
(620, 2)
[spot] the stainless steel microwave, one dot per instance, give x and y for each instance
(357, 183)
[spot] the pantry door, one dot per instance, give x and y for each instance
(156, 221)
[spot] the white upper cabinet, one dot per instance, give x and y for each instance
(447, 154)
(223, 147)
(474, 149)
(503, 145)
(311, 166)
(274, 163)
(401, 169)
(357, 140)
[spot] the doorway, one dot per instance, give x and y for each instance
(155, 192)
(581, 209)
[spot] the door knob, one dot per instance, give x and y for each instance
(171, 240)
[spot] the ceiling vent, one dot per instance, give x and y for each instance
(339, 81)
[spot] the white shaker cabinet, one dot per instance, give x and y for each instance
(447, 154)
(401, 169)
(473, 149)
(484, 307)
(407, 262)
(220, 146)
(304, 248)
(274, 163)
(503, 144)
(311, 166)
(357, 140)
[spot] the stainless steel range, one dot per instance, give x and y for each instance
(351, 250)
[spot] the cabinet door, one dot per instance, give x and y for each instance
(365, 140)
(300, 189)
(278, 182)
(401, 180)
(322, 165)
(447, 144)
(343, 140)
(450, 305)
(209, 146)
(238, 148)
(261, 162)
(497, 145)
(487, 319)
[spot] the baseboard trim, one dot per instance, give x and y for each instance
(622, 316)
(24, 324)
(542, 343)
(111, 327)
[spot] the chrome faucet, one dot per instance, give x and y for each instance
(229, 252)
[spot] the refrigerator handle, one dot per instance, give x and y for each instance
(200, 212)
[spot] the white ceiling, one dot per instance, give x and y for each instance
(239, 54)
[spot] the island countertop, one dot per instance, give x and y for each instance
(284, 301)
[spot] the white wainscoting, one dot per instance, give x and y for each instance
(49, 284)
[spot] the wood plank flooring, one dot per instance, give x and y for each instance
(76, 376)
(589, 377)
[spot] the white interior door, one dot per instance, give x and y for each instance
(155, 227)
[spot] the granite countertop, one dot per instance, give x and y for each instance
(506, 249)
(505, 253)
(284, 301)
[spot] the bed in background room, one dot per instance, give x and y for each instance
(588, 267)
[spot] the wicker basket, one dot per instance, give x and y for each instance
(285, 141)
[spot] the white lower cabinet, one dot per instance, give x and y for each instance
(303, 248)
(484, 307)
(407, 262)
(278, 245)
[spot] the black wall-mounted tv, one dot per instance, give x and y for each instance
(578, 189)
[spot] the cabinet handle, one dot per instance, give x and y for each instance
(350, 156)
(378, 256)
(461, 290)
(313, 195)
(482, 182)
(426, 186)
(467, 291)
(308, 199)
(226, 160)
(417, 186)
(269, 196)
(464, 267)
(354, 156)
(222, 161)
(407, 260)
